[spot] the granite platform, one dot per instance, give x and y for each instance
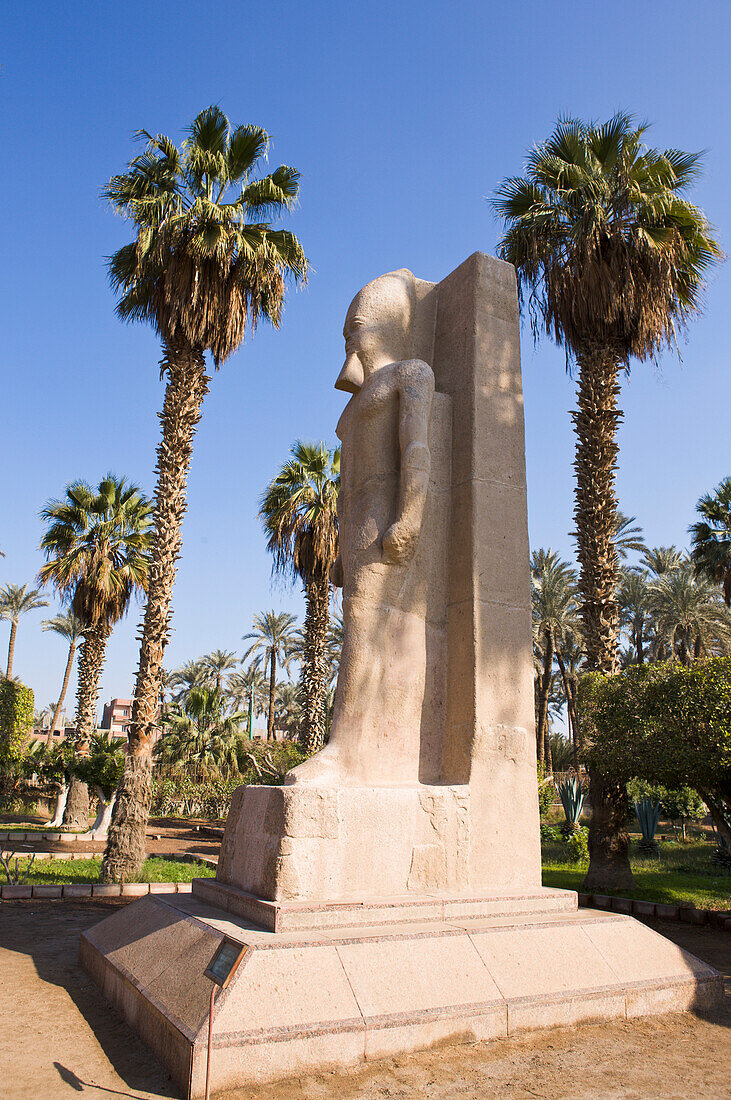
(318, 994)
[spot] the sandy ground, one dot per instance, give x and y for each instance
(59, 1038)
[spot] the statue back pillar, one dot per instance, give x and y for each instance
(489, 740)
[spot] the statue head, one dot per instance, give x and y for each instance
(378, 327)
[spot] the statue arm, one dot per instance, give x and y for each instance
(415, 401)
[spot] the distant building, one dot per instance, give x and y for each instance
(117, 717)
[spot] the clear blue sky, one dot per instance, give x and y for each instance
(401, 117)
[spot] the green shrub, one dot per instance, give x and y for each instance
(546, 791)
(16, 718)
(668, 724)
(577, 846)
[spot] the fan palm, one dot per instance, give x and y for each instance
(299, 513)
(270, 640)
(97, 556)
(200, 732)
(613, 257)
(204, 265)
(68, 627)
(555, 613)
(17, 600)
(711, 537)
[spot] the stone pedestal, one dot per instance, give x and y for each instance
(318, 994)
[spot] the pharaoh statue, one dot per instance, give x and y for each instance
(390, 563)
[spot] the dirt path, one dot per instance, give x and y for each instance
(58, 1038)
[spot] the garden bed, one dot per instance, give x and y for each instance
(78, 871)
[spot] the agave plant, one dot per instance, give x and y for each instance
(648, 815)
(572, 800)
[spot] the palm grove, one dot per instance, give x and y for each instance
(611, 258)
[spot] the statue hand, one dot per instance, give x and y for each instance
(336, 572)
(399, 543)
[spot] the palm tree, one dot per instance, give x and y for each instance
(204, 266)
(298, 510)
(663, 559)
(690, 617)
(17, 600)
(200, 731)
(97, 555)
(190, 675)
(613, 257)
(218, 662)
(711, 537)
(555, 613)
(628, 537)
(634, 609)
(248, 692)
(271, 639)
(288, 708)
(68, 627)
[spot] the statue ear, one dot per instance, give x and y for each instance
(351, 377)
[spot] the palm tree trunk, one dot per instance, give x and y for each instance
(272, 691)
(570, 694)
(313, 676)
(187, 385)
(91, 662)
(64, 689)
(544, 690)
(11, 648)
(595, 512)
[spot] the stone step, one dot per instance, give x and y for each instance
(284, 916)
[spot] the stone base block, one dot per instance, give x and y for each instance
(312, 1001)
(303, 843)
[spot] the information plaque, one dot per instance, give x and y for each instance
(223, 965)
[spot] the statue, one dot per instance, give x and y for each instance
(383, 565)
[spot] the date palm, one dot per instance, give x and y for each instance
(204, 265)
(711, 537)
(96, 547)
(555, 613)
(17, 600)
(271, 640)
(217, 663)
(628, 537)
(68, 627)
(612, 256)
(299, 514)
(635, 615)
(663, 559)
(199, 731)
(247, 691)
(689, 615)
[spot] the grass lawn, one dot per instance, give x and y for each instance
(87, 870)
(680, 873)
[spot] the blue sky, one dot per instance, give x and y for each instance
(401, 117)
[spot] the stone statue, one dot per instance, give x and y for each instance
(385, 475)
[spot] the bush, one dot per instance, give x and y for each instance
(577, 846)
(546, 791)
(668, 724)
(16, 718)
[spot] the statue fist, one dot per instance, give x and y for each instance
(399, 544)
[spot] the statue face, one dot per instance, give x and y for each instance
(377, 329)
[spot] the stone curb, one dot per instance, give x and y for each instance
(67, 891)
(688, 914)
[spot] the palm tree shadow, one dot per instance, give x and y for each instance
(49, 934)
